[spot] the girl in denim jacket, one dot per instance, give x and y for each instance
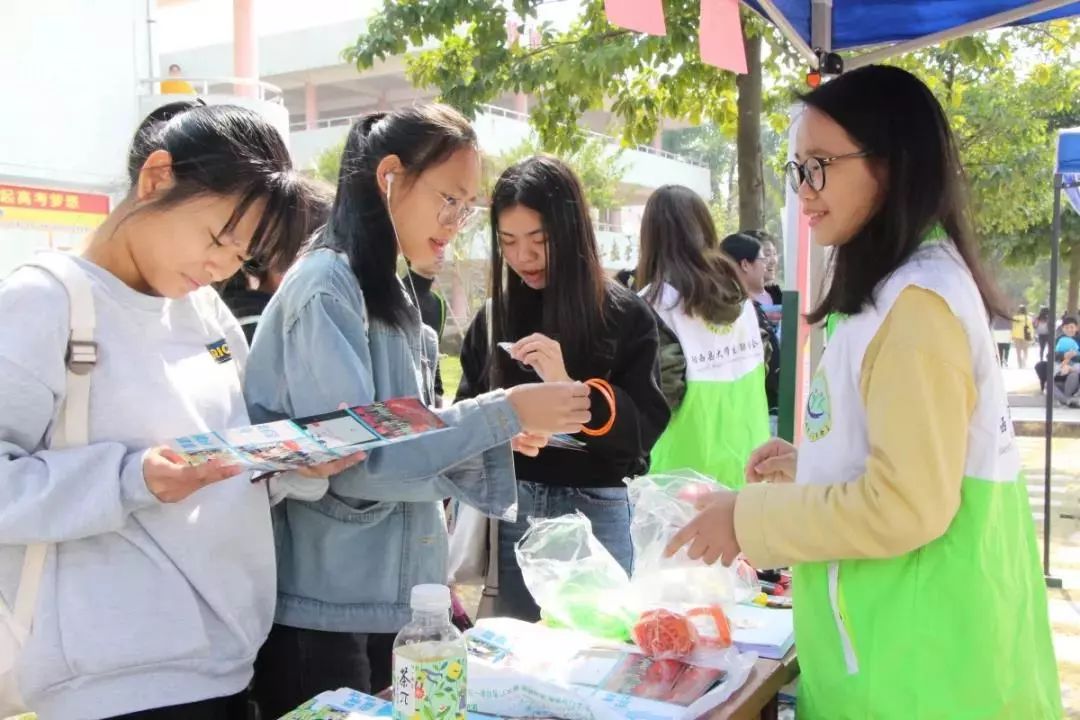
(343, 328)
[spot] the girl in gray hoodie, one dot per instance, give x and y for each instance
(158, 585)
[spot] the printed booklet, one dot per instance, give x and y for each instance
(300, 442)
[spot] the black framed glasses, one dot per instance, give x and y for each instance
(812, 170)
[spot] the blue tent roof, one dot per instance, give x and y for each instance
(1068, 154)
(858, 23)
(1068, 163)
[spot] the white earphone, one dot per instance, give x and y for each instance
(427, 376)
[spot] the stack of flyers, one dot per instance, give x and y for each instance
(639, 676)
(300, 442)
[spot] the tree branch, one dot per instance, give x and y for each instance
(611, 34)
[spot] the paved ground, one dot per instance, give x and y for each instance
(1028, 407)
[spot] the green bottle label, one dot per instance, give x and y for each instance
(429, 690)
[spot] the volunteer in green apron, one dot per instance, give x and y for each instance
(720, 413)
(918, 592)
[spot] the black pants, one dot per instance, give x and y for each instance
(1003, 353)
(295, 665)
(227, 708)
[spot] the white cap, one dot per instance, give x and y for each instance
(434, 598)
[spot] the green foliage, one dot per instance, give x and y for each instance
(600, 167)
(1006, 94)
(327, 164)
(591, 65)
(717, 149)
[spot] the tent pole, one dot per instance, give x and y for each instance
(1055, 243)
(821, 25)
(788, 31)
(987, 23)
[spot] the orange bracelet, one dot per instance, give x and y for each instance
(608, 393)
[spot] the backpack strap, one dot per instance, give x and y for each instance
(73, 423)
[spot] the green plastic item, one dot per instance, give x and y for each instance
(584, 607)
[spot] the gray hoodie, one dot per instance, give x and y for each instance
(142, 604)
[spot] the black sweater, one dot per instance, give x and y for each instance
(432, 313)
(627, 357)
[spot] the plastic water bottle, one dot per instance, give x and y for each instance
(430, 660)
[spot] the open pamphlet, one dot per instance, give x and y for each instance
(301, 442)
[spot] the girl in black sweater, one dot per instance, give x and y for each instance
(558, 317)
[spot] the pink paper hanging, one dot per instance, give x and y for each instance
(721, 37)
(645, 16)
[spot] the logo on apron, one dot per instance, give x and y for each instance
(818, 408)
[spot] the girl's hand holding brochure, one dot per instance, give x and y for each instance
(170, 478)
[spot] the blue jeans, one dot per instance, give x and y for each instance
(608, 509)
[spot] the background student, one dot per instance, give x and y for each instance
(693, 287)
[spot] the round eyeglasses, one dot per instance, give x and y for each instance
(812, 170)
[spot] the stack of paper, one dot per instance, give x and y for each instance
(769, 632)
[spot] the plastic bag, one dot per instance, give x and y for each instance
(681, 601)
(664, 504)
(574, 579)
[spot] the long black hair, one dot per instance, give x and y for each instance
(225, 150)
(679, 247)
(422, 136)
(893, 116)
(316, 199)
(572, 303)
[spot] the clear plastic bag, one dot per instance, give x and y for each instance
(574, 579)
(680, 601)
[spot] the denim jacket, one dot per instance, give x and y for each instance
(348, 561)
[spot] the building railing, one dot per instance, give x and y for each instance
(337, 121)
(259, 89)
(649, 149)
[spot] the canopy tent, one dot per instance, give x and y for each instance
(1068, 165)
(899, 26)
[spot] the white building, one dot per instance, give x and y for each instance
(77, 83)
(81, 75)
(301, 54)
